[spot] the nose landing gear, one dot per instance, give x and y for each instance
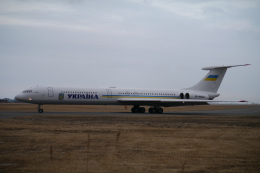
(39, 109)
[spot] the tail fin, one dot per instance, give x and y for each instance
(212, 80)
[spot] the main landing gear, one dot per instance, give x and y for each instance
(155, 110)
(137, 109)
(39, 109)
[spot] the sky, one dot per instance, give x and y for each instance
(156, 44)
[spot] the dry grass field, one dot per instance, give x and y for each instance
(159, 143)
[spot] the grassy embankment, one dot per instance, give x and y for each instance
(130, 143)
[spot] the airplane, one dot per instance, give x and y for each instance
(201, 93)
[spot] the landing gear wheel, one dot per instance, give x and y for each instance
(152, 110)
(160, 110)
(141, 110)
(135, 109)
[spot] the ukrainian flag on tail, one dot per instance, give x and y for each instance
(212, 78)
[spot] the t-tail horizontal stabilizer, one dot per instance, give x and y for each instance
(212, 80)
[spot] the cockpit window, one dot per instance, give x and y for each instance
(27, 91)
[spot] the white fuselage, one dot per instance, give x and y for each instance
(102, 96)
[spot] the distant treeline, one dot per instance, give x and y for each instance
(7, 100)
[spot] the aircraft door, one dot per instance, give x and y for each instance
(50, 92)
(109, 93)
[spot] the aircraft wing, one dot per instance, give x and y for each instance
(166, 102)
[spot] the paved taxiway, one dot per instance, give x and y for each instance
(252, 111)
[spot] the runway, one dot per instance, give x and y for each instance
(251, 111)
